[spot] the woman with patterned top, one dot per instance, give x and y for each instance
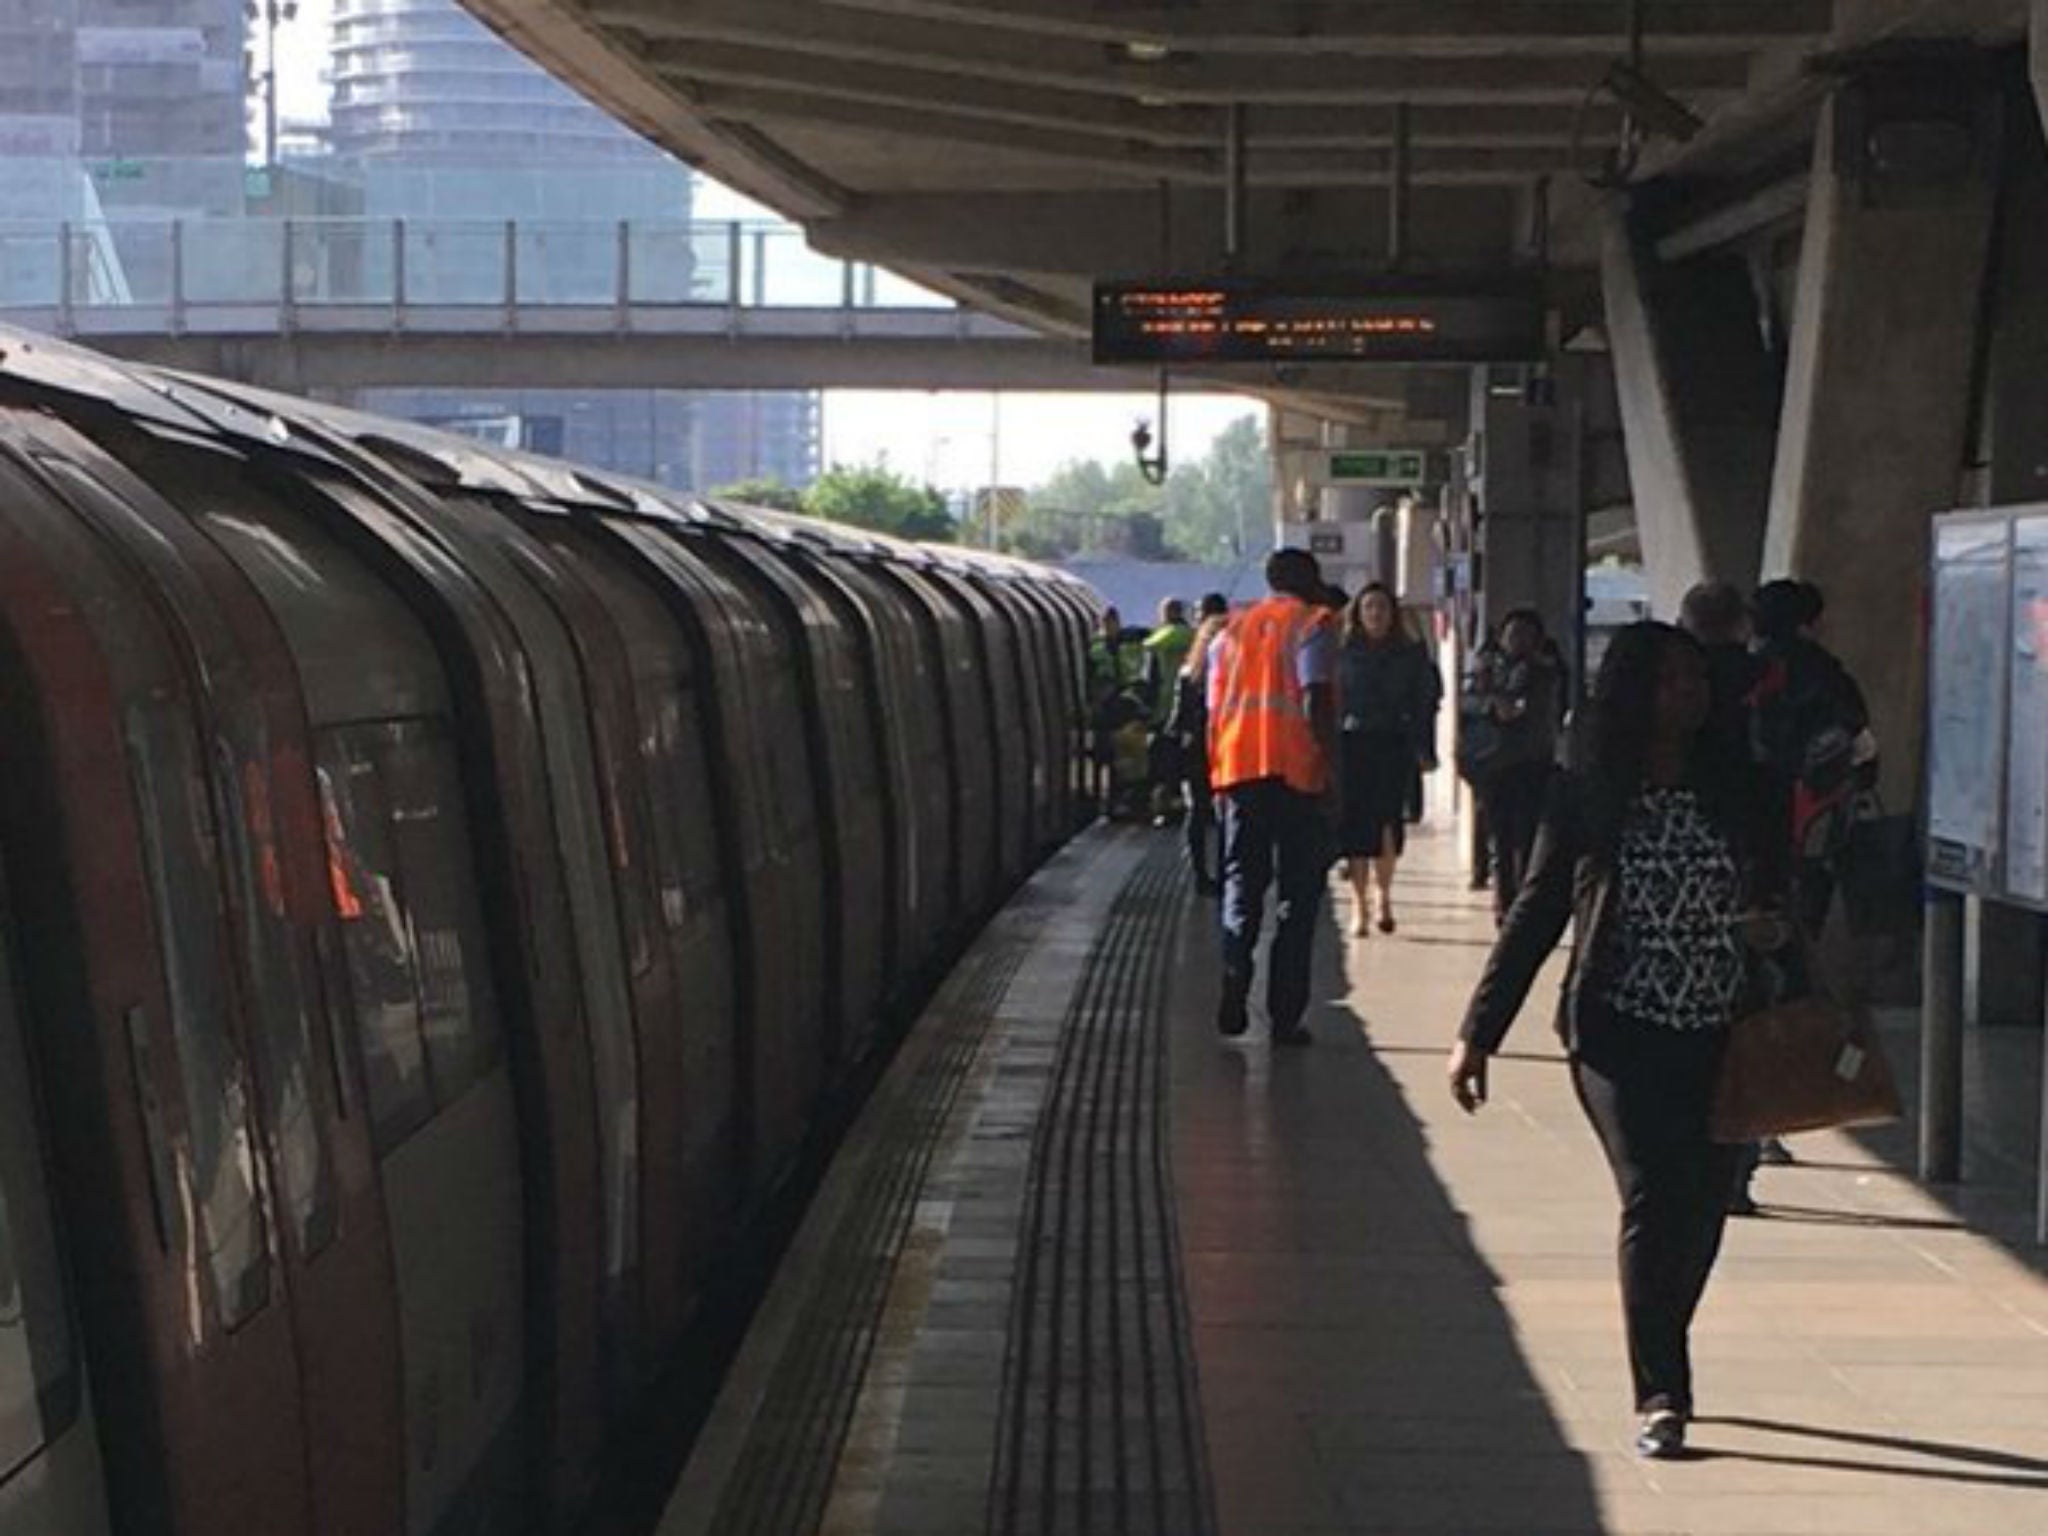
(1660, 848)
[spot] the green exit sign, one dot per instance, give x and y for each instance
(1391, 467)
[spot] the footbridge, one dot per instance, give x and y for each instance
(336, 304)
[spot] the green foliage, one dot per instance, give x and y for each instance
(1216, 508)
(772, 494)
(875, 496)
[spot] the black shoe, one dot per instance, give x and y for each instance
(1775, 1153)
(1743, 1203)
(1233, 1018)
(1661, 1436)
(1294, 1034)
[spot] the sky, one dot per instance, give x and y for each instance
(950, 439)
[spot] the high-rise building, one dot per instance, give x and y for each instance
(132, 106)
(442, 120)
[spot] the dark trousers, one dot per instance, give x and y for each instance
(1647, 1090)
(1514, 807)
(1199, 828)
(1272, 831)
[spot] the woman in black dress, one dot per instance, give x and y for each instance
(1387, 707)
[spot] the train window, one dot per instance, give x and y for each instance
(400, 857)
(39, 1396)
(679, 777)
(377, 939)
(430, 831)
(217, 1167)
(281, 997)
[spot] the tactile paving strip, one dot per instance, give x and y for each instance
(1100, 1433)
(783, 1477)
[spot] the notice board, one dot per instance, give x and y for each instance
(1968, 701)
(2026, 783)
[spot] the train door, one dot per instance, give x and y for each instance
(772, 850)
(150, 1106)
(851, 815)
(1047, 632)
(657, 1037)
(689, 1059)
(51, 1481)
(1018, 620)
(912, 719)
(978, 745)
(334, 1248)
(872, 687)
(421, 1006)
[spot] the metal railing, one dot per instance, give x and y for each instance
(178, 266)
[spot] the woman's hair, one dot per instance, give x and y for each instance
(1354, 616)
(1621, 724)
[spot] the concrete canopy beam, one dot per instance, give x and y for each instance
(1443, 28)
(1699, 395)
(1502, 77)
(1104, 234)
(1270, 131)
(1880, 376)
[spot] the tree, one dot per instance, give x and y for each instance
(875, 496)
(1216, 508)
(769, 493)
(1223, 509)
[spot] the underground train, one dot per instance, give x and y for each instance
(444, 893)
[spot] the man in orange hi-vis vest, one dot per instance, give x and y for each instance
(1272, 721)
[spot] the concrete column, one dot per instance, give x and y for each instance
(1529, 492)
(1880, 376)
(1699, 392)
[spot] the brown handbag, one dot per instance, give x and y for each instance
(1805, 1064)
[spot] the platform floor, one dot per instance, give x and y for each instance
(1085, 1268)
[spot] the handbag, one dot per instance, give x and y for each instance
(1805, 1064)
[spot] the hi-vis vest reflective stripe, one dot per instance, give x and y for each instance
(1259, 725)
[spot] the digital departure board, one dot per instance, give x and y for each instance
(1241, 322)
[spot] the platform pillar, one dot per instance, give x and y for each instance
(1879, 380)
(1699, 370)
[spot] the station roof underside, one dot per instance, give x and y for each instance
(1013, 152)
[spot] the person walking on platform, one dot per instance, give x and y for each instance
(1115, 671)
(1165, 652)
(1515, 702)
(1715, 614)
(1659, 848)
(1188, 726)
(1272, 726)
(1387, 696)
(1812, 729)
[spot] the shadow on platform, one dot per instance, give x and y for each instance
(1359, 1371)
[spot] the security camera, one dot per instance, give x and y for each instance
(1655, 108)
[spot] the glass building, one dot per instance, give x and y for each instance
(115, 109)
(439, 119)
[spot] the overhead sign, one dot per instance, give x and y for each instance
(1382, 468)
(1244, 322)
